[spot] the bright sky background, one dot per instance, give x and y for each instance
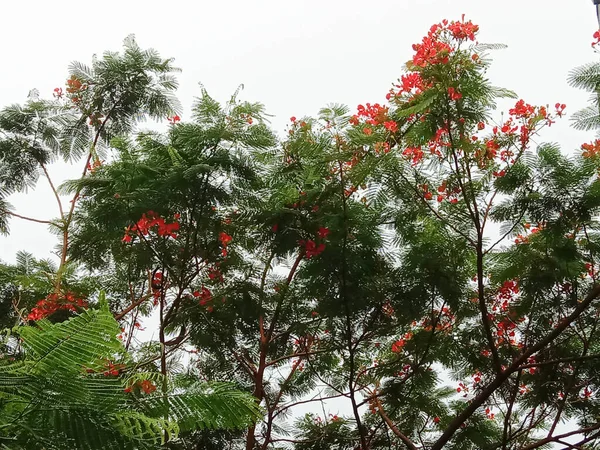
(294, 57)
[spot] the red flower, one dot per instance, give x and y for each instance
(224, 238)
(215, 274)
(591, 149)
(522, 110)
(560, 108)
(398, 345)
(463, 30)
(431, 51)
(56, 302)
(411, 81)
(454, 94)
(293, 119)
(323, 232)
(204, 294)
(391, 126)
(311, 248)
(415, 153)
(150, 220)
(367, 131)
(173, 120)
(147, 386)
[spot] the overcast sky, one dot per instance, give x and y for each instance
(294, 57)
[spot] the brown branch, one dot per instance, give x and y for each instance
(58, 200)
(31, 219)
(507, 416)
(119, 316)
(504, 375)
(294, 355)
(177, 340)
(551, 439)
(409, 444)
(559, 361)
(302, 402)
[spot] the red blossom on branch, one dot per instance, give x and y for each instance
(591, 149)
(56, 302)
(150, 221)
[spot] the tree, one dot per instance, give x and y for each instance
(431, 269)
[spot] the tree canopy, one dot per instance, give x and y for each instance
(420, 273)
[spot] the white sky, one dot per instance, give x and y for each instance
(294, 57)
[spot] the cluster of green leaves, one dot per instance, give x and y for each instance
(57, 391)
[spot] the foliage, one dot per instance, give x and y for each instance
(70, 386)
(431, 269)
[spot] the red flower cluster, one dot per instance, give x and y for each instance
(149, 221)
(463, 30)
(591, 149)
(323, 232)
(74, 89)
(439, 141)
(508, 289)
(522, 110)
(94, 166)
(74, 85)
(173, 120)
(412, 84)
(454, 94)
(112, 370)
(414, 153)
(434, 48)
(311, 248)
(462, 387)
(157, 284)
(375, 115)
(400, 343)
(391, 126)
(443, 322)
(524, 238)
(205, 296)
(95, 119)
(145, 386)
(225, 239)
(215, 274)
(431, 51)
(56, 302)
(506, 293)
